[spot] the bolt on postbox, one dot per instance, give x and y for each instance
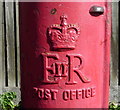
(65, 54)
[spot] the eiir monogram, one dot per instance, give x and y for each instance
(63, 69)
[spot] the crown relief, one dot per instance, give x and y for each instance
(64, 35)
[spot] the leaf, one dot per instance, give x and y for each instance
(114, 106)
(6, 100)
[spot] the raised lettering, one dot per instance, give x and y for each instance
(47, 68)
(51, 94)
(46, 94)
(83, 93)
(63, 69)
(72, 69)
(93, 91)
(88, 92)
(66, 95)
(40, 93)
(54, 94)
(78, 93)
(72, 94)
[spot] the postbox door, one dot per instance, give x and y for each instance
(64, 54)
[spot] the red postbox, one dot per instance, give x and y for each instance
(65, 52)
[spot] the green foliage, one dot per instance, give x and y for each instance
(6, 101)
(114, 106)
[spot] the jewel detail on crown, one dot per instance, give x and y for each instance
(63, 36)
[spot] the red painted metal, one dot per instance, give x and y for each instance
(65, 52)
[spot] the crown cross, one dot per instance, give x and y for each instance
(64, 35)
